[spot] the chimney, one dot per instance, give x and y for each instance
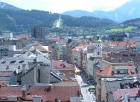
(23, 93)
(48, 89)
(57, 100)
(37, 99)
(130, 63)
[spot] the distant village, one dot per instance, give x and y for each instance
(49, 68)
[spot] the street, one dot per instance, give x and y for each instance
(87, 96)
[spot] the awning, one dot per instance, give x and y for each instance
(91, 87)
(77, 70)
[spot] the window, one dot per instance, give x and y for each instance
(98, 53)
(12, 62)
(91, 58)
(118, 72)
(3, 62)
(18, 67)
(21, 61)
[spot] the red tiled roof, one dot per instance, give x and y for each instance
(121, 93)
(54, 39)
(132, 44)
(22, 37)
(48, 93)
(10, 91)
(78, 48)
(62, 65)
(5, 74)
(4, 83)
(106, 71)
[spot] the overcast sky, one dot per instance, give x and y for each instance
(60, 6)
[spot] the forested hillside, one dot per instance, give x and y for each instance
(23, 20)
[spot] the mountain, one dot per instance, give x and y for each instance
(129, 10)
(133, 22)
(78, 13)
(24, 20)
(8, 6)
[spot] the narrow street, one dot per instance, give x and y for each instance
(87, 96)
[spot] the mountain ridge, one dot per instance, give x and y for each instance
(4, 5)
(129, 10)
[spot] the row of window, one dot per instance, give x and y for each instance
(12, 62)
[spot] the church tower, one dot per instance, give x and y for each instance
(97, 52)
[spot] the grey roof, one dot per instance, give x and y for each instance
(120, 67)
(20, 61)
(11, 64)
(75, 99)
(134, 99)
(114, 85)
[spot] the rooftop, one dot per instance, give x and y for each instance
(8, 74)
(114, 71)
(60, 65)
(48, 93)
(135, 92)
(124, 44)
(115, 84)
(79, 48)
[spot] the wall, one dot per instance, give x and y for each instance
(76, 58)
(28, 78)
(103, 91)
(45, 74)
(98, 89)
(39, 74)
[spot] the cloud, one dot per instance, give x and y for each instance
(11, 1)
(66, 5)
(88, 5)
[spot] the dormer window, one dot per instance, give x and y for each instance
(21, 61)
(118, 72)
(132, 71)
(3, 62)
(63, 65)
(12, 62)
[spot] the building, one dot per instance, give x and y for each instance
(64, 69)
(69, 46)
(7, 35)
(38, 33)
(77, 55)
(113, 72)
(38, 73)
(124, 95)
(93, 58)
(62, 92)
